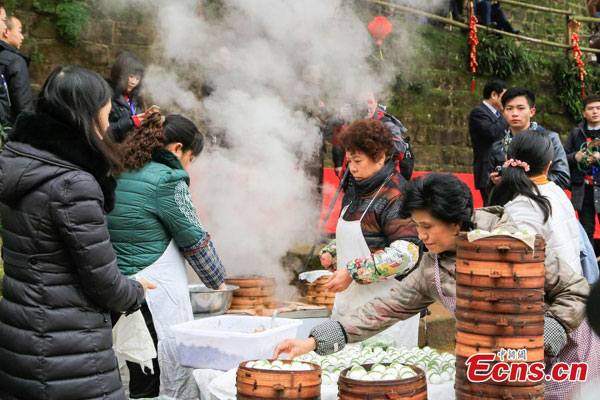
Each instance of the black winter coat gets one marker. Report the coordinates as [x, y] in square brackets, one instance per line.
[120, 115]
[61, 278]
[484, 128]
[14, 66]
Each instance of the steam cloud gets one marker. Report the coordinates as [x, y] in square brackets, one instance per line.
[265, 59]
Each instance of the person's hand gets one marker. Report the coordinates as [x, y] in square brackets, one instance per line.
[338, 172]
[222, 286]
[144, 116]
[295, 347]
[578, 156]
[495, 178]
[339, 281]
[146, 285]
[326, 260]
[590, 159]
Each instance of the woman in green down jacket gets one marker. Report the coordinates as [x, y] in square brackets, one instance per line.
[154, 227]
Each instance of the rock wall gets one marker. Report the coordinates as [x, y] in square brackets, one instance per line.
[104, 38]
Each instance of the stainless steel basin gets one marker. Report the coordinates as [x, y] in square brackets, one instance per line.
[209, 302]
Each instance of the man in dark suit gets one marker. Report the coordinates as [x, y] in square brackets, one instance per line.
[486, 125]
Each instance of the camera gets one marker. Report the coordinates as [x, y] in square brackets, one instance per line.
[498, 170]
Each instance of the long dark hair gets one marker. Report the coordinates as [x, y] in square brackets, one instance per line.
[444, 195]
[140, 144]
[126, 64]
[179, 129]
[534, 148]
[74, 95]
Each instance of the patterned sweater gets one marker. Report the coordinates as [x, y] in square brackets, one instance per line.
[392, 240]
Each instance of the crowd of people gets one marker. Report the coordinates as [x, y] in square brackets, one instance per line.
[98, 225]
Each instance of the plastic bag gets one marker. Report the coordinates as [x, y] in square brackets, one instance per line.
[132, 340]
[382, 340]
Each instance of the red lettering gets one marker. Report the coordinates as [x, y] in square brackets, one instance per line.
[536, 372]
[478, 367]
[578, 372]
[518, 372]
[557, 372]
[500, 372]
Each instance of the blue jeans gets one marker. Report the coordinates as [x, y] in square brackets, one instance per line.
[487, 13]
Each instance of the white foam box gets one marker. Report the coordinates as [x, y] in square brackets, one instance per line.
[224, 341]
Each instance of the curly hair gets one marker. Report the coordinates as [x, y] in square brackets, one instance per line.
[368, 136]
[137, 149]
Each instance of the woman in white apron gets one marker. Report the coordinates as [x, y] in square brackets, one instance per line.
[373, 245]
[441, 206]
[154, 228]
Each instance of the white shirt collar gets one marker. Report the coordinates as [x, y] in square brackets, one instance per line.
[492, 109]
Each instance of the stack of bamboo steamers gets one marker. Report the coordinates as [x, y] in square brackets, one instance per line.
[499, 305]
[316, 294]
[254, 292]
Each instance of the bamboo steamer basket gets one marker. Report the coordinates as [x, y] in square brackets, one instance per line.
[463, 350]
[251, 282]
[506, 342]
[499, 324]
[254, 292]
[316, 294]
[254, 383]
[412, 388]
[501, 282]
[251, 301]
[502, 306]
[506, 295]
[507, 301]
[470, 390]
[468, 344]
[265, 291]
[493, 269]
[500, 248]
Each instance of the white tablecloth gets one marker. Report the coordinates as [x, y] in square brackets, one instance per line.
[219, 385]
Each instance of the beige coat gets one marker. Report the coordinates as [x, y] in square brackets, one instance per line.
[565, 291]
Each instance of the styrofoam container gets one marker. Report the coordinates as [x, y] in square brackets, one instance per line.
[224, 341]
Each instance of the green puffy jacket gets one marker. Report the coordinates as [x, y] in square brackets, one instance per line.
[153, 206]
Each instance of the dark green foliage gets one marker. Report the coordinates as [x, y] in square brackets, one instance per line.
[569, 87]
[503, 58]
[71, 18]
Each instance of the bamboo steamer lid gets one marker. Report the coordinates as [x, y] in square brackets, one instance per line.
[254, 383]
[500, 248]
[251, 282]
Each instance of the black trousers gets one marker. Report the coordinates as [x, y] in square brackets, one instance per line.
[143, 384]
[587, 214]
[484, 196]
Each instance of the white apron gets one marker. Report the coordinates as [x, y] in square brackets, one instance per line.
[351, 245]
[170, 304]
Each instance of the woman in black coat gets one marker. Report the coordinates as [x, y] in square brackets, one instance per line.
[61, 279]
[128, 106]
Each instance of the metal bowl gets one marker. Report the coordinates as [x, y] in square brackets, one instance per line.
[211, 302]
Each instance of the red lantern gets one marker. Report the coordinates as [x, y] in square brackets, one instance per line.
[380, 27]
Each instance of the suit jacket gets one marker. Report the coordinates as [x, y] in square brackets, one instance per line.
[484, 128]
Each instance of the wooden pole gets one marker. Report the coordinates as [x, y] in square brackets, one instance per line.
[481, 27]
[535, 7]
